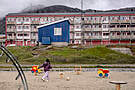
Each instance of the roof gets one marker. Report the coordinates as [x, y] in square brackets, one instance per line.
[66, 19]
[87, 13]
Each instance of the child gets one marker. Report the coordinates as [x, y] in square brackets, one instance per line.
[47, 67]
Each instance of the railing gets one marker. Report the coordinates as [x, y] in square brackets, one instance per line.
[95, 37]
[132, 36]
[122, 29]
[115, 37]
[92, 29]
[124, 21]
[71, 29]
[120, 21]
[132, 21]
[113, 21]
[26, 30]
[35, 22]
[34, 37]
[11, 22]
[11, 30]
[34, 30]
[10, 37]
[23, 37]
[125, 37]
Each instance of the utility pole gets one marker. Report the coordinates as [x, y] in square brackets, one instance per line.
[82, 24]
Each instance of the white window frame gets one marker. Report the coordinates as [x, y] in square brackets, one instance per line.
[57, 31]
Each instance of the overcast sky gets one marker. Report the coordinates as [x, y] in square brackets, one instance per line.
[13, 6]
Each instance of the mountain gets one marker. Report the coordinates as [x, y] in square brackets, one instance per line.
[2, 26]
[53, 9]
[33, 8]
[66, 9]
[130, 9]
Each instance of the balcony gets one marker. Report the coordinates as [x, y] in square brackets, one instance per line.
[114, 29]
[105, 29]
[11, 22]
[131, 29]
[26, 30]
[124, 21]
[27, 22]
[94, 37]
[132, 36]
[34, 37]
[92, 29]
[35, 22]
[114, 21]
[115, 37]
[106, 21]
[125, 37]
[71, 21]
[23, 37]
[71, 29]
[132, 21]
[122, 29]
[11, 30]
[34, 30]
[10, 37]
[71, 37]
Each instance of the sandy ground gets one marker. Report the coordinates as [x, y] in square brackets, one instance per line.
[84, 81]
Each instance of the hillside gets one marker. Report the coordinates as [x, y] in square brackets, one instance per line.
[68, 55]
[52, 9]
[2, 26]
[66, 9]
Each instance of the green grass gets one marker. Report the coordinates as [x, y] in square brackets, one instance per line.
[67, 55]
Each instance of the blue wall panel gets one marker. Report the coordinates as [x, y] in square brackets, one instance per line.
[48, 31]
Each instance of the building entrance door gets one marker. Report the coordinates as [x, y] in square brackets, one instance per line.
[46, 40]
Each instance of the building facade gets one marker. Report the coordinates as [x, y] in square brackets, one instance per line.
[56, 33]
[96, 28]
[2, 39]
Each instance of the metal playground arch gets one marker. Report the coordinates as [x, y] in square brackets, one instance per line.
[16, 64]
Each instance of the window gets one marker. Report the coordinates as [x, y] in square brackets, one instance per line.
[112, 26]
[105, 26]
[19, 27]
[27, 27]
[19, 19]
[26, 34]
[57, 31]
[34, 34]
[20, 34]
[118, 33]
[9, 34]
[27, 19]
[78, 26]
[105, 34]
[123, 33]
[128, 33]
[78, 34]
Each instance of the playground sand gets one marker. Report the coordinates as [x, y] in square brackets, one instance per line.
[84, 81]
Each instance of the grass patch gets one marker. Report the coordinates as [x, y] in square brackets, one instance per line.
[67, 55]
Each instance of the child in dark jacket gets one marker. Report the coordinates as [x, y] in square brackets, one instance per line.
[47, 67]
